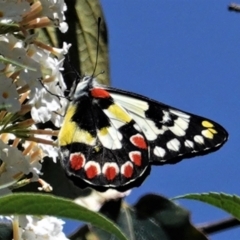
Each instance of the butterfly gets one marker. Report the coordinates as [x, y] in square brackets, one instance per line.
[110, 138]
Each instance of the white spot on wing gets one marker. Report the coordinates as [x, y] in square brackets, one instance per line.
[111, 139]
[189, 144]
[177, 130]
[159, 151]
[147, 126]
[179, 113]
[180, 125]
[117, 123]
[131, 104]
[144, 126]
[137, 127]
[174, 145]
[149, 129]
[166, 117]
[199, 139]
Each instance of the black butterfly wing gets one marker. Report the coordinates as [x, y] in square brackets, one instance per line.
[171, 134]
[101, 149]
[109, 137]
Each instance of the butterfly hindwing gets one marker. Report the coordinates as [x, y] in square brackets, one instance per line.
[109, 137]
[103, 151]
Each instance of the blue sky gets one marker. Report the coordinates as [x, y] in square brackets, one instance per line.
[185, 54]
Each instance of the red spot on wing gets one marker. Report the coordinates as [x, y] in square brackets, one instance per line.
[139, 141]
[127, 170]
[110, 173]
[91, 171]
[136, 157]
[77, 161]
[99, 93]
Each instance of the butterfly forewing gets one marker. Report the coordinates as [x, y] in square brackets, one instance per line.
[171, 134]
[110, 137]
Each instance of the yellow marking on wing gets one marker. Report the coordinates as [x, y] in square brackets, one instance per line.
[70, 132]
[83, 137]
[103, 131]
[97, 149]
[207, 124]
[213, 130]
[209, 133]
[119, 113]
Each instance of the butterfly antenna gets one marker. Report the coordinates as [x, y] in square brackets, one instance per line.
[71, 66]
[53, 94]
[98, 37]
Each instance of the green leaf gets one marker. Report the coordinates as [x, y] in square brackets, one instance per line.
[82, 19]
[39, 204]
[88, 12]
[15, 63]
[8, 28]
[227, 202]
[152, 217]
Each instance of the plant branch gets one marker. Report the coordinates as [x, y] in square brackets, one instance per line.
[234, 7]
[221, 225]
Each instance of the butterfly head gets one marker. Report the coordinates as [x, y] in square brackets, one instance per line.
[82, 87]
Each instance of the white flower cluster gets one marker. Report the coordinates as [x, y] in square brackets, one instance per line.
[31, 81]
[41, 228]
[30, 94]
[28, 14]
[95, 200]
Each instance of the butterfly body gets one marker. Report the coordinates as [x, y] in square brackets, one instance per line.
[109, 137]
